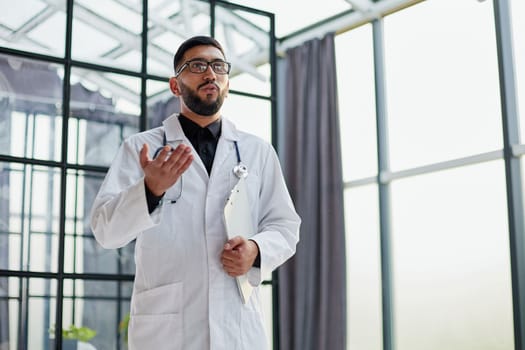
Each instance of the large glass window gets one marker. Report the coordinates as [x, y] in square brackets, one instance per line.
[104, 110]
[355, 71]
[364, 321]
[451, 260]
[101, 306]
[250, 114]
[82, 253]
[443, 196]
[31, 303]
[355, 85]
[30, 113]
[30, 217]
[442, 82]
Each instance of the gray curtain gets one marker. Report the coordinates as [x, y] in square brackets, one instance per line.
[312, 285]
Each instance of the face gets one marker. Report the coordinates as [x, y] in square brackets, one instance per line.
[203, 93]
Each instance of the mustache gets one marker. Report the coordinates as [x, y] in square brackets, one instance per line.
[209, 83]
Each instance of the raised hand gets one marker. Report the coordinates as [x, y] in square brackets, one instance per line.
[163, 171]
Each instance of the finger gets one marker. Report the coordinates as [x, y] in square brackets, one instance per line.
[160, 159]
[144, 157]
[177, 157]
[227, 263]
[182, 163]
[182, 166]
[232, 270]
[233, 243]
[186, 164]
[230, 255]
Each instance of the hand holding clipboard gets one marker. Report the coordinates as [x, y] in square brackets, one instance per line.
[238, 220]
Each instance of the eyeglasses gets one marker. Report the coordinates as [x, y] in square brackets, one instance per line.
[198, 66]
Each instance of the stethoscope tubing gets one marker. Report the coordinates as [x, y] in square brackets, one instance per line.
[240, 170]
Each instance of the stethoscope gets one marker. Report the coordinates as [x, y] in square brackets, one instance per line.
[240, 170]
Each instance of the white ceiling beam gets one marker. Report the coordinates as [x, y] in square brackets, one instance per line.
[23, 43]
[36, 20]
[258, 36]
[341, 24]
[363, 6]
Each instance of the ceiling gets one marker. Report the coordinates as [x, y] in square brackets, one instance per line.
[107, 32]
[303, 13]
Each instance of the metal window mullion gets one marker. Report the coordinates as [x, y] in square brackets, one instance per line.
[212, 18]
[25, 296]
[23, 282]
[144, 69]
[49, 229]
[63, 173]
[511, 138]
[276, 335]
[383, 187]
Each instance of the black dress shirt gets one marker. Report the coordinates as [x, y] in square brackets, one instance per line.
[204, 140]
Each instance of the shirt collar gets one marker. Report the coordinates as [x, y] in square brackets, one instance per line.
[190, 127]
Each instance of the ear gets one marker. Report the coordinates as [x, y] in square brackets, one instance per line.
[174, 86]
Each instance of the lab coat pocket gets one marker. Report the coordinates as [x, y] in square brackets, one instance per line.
[165, 299]
[155, 332]
[156, 321]
[252, 326]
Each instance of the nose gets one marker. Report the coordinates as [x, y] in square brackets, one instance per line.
[209, 72]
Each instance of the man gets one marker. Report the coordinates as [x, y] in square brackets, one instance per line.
[171, 202]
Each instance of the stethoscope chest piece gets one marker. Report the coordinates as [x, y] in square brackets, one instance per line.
[240, 170]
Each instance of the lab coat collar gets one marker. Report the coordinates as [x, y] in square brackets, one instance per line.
[174, 131]
[229, 131]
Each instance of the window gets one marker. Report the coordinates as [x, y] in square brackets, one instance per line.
[438, 205]
[355, 71]
[442, 82]
[451, 266]
[61, 124]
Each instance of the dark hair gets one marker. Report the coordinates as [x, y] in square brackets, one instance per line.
[192, 42]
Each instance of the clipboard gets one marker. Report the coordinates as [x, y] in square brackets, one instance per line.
[238, 221]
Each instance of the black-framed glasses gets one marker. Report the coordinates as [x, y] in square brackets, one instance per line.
[199, 66]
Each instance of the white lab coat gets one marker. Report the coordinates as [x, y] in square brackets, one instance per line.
[182, 298]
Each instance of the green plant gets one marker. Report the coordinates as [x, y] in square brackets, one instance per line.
[123, 327]
[79, 333]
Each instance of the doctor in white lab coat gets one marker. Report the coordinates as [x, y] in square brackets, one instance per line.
[185, 296]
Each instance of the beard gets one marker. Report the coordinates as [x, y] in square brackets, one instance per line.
[198, 105]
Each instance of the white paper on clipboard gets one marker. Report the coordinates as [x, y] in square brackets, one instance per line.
[238, 220]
